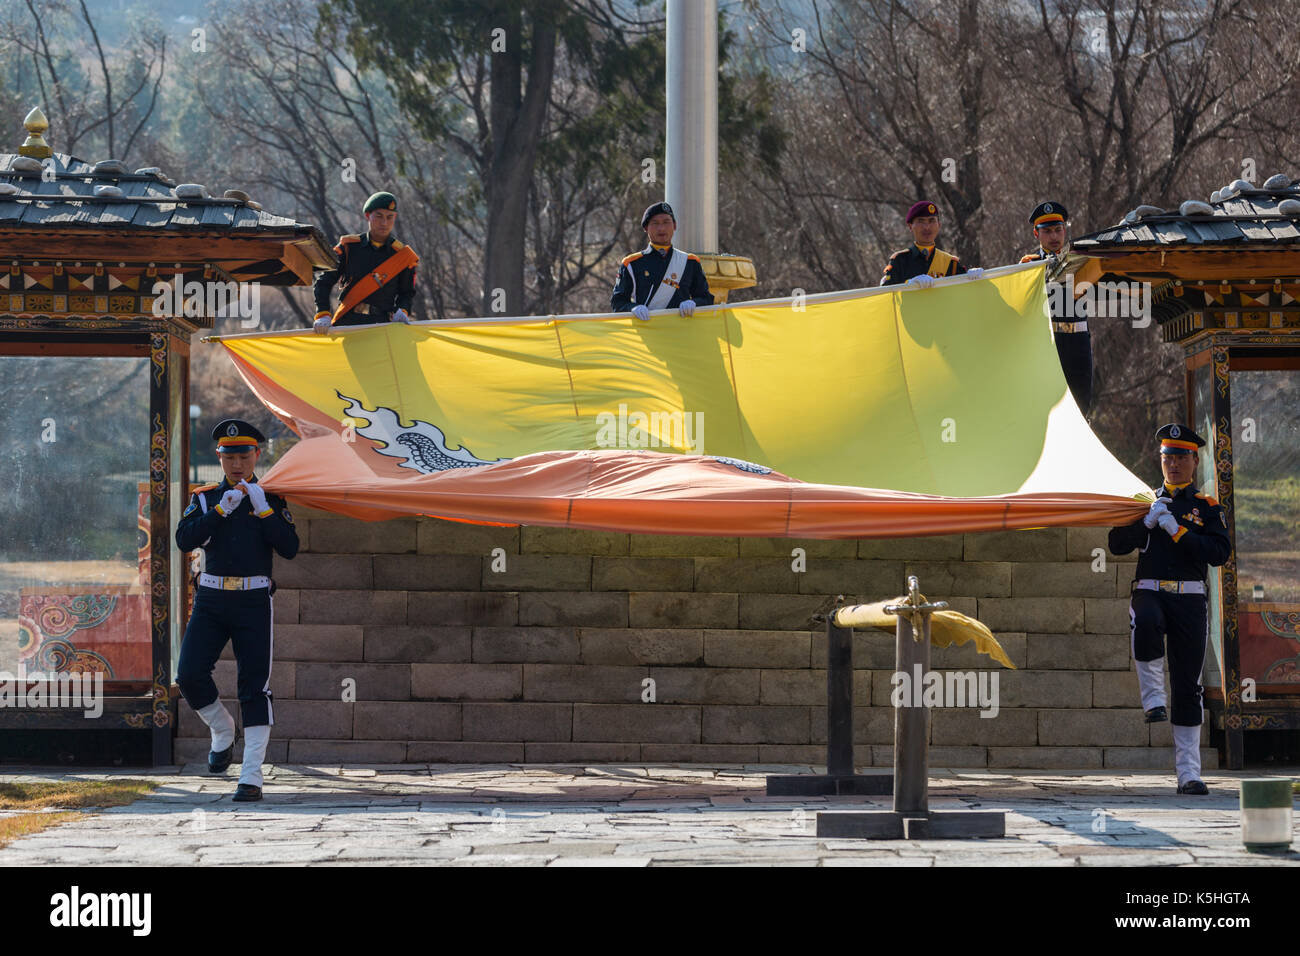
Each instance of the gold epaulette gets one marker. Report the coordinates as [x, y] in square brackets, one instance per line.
[1214, 502]
[398, 244]
[345, 241]
[691, 255]
[203, 488]
[632, 258]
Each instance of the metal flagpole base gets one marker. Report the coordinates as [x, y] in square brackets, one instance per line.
[911, 817]
[877, 784]
[839, 778]
[893, 825]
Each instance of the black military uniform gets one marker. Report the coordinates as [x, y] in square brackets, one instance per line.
[916, 260]
[642, 274]
[358, 257]
[1070, 332]
[233, 603]
[1178, 542]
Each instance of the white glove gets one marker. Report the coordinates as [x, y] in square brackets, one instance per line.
[641, 312]
[1158, 507]
[401, 315]
[974, 272]
[256, 496]
[321, 325]
[687, 308]
[229, 501]
[1169, 524]
[921, 282]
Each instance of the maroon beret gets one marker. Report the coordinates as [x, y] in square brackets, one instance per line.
[922, 208]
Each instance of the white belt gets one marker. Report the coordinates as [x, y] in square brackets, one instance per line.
[1070, 326]
[234, 584]
[1174, 587]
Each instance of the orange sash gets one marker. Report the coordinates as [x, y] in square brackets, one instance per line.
[373, 281]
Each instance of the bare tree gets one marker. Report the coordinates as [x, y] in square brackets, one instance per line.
[888, 103]
[107, 108]
[1137, 91]
[294, 117]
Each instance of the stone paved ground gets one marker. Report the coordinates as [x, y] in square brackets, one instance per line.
[630, 816]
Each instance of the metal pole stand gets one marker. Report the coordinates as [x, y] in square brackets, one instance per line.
[839, 778]
[911, 818]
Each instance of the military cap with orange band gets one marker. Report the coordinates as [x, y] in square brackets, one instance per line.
[1048, 212]
[234, 436]
[1178, 440]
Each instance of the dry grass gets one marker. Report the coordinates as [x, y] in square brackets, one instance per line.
[69, 794]
[64, 795]
[25, 824]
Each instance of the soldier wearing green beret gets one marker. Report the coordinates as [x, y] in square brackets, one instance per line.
[377, 269]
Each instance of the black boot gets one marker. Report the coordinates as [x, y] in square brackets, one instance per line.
[219, 760]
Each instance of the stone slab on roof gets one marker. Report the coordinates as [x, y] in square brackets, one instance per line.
[1238, 214]
[148, 201]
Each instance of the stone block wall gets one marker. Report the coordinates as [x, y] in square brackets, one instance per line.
[463, 643]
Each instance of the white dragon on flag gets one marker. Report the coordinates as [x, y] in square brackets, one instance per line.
[421, 446]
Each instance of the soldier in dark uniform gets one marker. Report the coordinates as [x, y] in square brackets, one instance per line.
[920, 263]
[1183, 534]
[659, 276]
[384, 263]
[237, 525]
[1073, 340]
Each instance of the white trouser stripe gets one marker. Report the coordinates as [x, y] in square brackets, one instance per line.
[270, 660]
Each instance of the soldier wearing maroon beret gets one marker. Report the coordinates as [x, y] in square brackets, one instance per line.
[922, 262]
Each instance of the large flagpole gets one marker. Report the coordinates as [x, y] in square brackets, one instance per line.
[691, 142]
[692, 123]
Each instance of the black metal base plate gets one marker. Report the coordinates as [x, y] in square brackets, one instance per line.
[891, 825]
[876, 784]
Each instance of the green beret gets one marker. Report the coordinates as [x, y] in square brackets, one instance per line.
[380, 201]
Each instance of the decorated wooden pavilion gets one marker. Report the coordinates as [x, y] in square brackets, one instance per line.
[105, 274]
[1224, 283]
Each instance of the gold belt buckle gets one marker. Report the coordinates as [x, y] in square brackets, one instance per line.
[232, 584]
[1169, 586]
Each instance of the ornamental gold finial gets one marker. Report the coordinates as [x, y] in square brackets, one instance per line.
[35, 146]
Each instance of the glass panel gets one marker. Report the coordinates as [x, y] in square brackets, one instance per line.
[74, 440]
[1266, 486]
[1208, 481]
